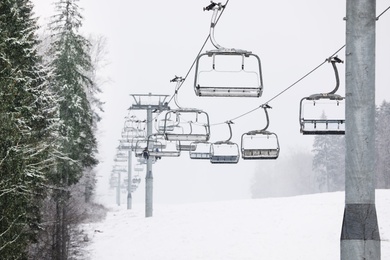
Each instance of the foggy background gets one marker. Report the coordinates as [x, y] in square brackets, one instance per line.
[148, 43]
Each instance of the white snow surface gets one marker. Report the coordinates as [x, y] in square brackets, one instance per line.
[303, 227]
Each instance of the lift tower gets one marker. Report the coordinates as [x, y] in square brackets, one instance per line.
[360, 233]
[151, 103]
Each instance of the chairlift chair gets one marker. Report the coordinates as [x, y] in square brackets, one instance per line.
[133, 128]
[227, 72]
[324, 113]
[201, 151]
[136, 180]
[121, 154]
[139, 147]
[191, 124]
[118, 159]
[133, 188]
[138, 167]
[143, 161]
[113, 181]
[185, 146]
[225, 152]
[260, 144]
[158, 149]
[125, 145]
[165, 124]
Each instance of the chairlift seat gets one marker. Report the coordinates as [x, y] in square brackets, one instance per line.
[164, 153]
[202, 155]
[323, 126]
[185, 147]
[138, 168]
[222, 159]
[228, 73]
[187, 137]
[260, 154]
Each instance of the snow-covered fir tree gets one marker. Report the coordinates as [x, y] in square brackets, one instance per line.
[329, 162]
[71, 70]
[28, 130]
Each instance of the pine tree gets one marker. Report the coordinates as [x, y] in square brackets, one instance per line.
[71, 67]
[329, 161]
[27, 129]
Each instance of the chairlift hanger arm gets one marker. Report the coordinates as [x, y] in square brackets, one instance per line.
[179, 81]
[265, 107]
[330, 95]
[216, 8]
[230, 132]
[335, 60]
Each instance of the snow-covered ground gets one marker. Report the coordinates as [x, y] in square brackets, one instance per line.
[304, 227]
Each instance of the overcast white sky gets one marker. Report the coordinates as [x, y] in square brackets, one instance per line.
[150, 42]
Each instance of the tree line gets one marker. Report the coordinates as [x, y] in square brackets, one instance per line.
[322, 169]
[49, 111]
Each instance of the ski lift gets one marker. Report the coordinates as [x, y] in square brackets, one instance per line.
[136, 180]
[225, 152]
[185, 146]
[118, 159]
[157, 149]
[165, 124]
[133, 128]
[260, 144]
[191, 124]
[140, 147]
[324, 113]
[201, 151]
[143, 161]
[227, 72]
[120, 154]
[138, 167]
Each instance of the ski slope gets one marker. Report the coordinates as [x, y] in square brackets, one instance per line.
[296, 228]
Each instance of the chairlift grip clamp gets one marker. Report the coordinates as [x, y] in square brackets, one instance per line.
[334, 59]
[213, 5]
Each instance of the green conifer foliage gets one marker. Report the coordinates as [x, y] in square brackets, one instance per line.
[27, 129]
[71, 65]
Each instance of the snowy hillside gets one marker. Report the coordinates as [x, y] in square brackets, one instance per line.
[302, 228]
